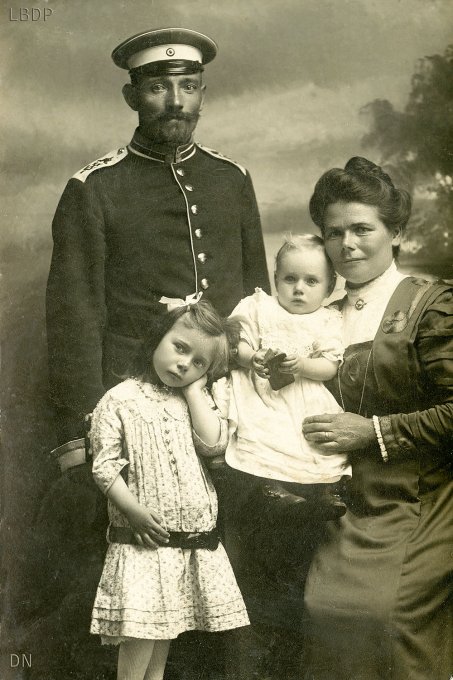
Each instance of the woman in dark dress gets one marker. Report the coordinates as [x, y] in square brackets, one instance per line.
[379, 595]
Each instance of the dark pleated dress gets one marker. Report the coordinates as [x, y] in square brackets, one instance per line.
[379, 595]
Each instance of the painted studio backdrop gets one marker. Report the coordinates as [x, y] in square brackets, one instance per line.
[298, 86]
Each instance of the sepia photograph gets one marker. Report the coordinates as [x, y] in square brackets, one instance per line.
[226, 295]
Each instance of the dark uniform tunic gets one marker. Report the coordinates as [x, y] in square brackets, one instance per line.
[380, 590]
[129, 228]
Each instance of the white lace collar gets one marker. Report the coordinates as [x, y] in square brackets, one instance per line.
[365, 306]
[378, 288]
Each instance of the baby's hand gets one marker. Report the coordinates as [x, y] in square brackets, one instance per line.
[147, 527]
[258, 364]
[293, 365]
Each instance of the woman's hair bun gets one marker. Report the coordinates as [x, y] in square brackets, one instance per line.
[362, 166]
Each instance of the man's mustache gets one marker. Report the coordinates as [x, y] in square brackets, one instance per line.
[190, 117]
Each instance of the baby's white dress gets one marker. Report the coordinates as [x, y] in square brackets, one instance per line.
[266, 437]
[145, 431]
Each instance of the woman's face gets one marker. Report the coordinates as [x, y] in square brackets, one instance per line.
[357, 241]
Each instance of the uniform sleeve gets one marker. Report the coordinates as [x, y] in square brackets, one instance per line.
[246, 313]
[107, 443]
[329, 344]
[254, 266]
[431, 427]
[75, 308]
[219, 448]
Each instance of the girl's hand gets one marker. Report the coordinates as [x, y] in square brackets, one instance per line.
[292, 364]
[196, 386]
[258, 364]
[147, 526]
[339, 432]
[205, 421]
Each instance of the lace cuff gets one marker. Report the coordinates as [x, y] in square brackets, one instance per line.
[396, 447]
[217, 449]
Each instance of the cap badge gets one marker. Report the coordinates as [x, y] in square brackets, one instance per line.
[170, 52]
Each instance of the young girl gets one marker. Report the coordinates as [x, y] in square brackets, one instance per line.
[266, 423]
[165, 571]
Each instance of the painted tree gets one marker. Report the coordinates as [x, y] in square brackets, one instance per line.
[418, 144]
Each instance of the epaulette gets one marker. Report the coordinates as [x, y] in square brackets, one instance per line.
[104, 162]
[221, 157]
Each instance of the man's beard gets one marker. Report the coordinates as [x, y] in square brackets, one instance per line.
[173, 128]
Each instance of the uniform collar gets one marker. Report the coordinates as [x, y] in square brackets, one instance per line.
[141, 146]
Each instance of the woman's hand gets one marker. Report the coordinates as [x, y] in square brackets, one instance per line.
[258, 364]
[339, 432]
[147, 526]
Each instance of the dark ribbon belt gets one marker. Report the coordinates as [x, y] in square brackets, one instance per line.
[178, 539]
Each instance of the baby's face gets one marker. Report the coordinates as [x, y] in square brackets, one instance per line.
[302, 280]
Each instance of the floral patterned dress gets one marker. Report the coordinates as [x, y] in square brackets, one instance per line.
[144, 432]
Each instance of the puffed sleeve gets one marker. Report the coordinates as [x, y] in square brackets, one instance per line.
[432, 427]
[329, 344]
[75, 307]
[246, 313]
[219, 447]
[107, 442]
[254, 266]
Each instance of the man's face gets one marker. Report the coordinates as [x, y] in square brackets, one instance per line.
[168, 107]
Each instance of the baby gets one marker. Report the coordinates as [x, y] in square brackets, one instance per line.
[268, 403]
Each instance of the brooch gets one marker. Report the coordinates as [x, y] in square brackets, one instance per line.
[360, 304]
[395, 323]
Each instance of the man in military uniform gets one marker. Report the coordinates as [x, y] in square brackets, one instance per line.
[162, 216]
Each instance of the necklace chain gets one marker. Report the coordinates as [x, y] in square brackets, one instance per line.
[363, 386]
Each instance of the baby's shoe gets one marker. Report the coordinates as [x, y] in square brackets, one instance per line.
[279, 500]
[329, 503]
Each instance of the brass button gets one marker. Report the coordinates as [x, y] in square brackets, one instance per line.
[204, 283]
[198, 233]
[180, 172]
[189, 187]
[194, 209]
[202, 257]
